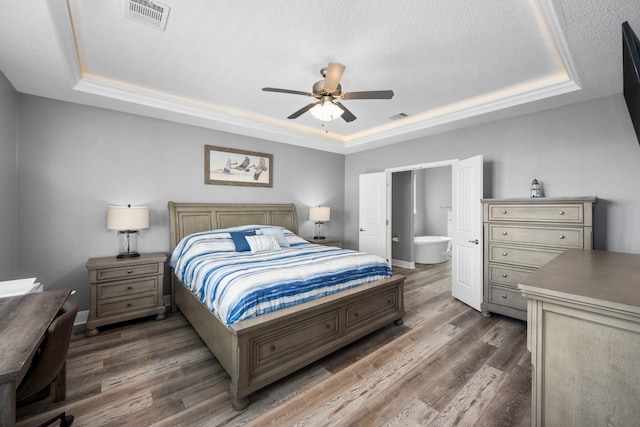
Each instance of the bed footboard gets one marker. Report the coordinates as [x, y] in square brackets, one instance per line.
[259, 351]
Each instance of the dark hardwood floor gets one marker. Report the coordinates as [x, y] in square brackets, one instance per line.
[446, 366]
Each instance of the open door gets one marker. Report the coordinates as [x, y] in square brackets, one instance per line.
[466, 258]
[373, 214]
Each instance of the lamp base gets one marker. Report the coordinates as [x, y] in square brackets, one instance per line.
[128, 247]
[128, 255]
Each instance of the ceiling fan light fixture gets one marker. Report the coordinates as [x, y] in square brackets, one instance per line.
[326, 110]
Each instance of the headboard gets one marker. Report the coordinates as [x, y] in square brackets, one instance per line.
[188, 218]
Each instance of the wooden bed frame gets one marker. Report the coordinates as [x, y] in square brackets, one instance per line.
[256, 352]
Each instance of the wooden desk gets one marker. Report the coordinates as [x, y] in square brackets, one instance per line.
[24, 320]
[583, 332]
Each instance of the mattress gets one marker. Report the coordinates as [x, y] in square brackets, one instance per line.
[243, 272]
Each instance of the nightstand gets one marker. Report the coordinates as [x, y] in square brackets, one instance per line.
[124, 289]
[329, 241]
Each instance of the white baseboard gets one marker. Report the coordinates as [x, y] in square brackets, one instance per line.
[403, 264]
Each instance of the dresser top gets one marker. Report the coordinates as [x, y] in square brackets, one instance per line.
[609, 280]
[581, 199]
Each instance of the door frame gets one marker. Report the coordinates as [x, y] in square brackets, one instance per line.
[389, 172]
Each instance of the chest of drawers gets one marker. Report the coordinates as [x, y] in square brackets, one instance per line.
[125, 289]
[520, 236]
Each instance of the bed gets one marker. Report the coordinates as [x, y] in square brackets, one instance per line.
[261, 350]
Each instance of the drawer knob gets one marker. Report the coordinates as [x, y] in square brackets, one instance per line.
[504, 211]
[272, 348]
[561, 236]
[129, 304]
[129, 271]
[504, 296]
[129, 287]
[355, 314]
[328, 326]
[504, 254]
[561, 213]
[504, 274]
[504, 233]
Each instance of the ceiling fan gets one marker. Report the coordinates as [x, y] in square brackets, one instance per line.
[326, 91]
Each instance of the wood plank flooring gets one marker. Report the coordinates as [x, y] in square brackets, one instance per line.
[446, 366]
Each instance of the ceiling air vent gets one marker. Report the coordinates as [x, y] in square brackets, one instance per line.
[398, 116]
[148, 12]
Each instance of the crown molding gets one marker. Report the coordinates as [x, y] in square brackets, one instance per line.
[123, 97]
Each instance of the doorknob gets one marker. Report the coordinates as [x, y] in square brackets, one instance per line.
[362, 229]
[474, 241]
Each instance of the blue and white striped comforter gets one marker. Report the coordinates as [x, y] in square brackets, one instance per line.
[241, 285]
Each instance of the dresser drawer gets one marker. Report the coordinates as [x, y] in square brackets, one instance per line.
[507, 296]
[105, 274]
[126, 288]
[521, 256]
[567, 213]
[507, 275]
[546, 236]
[121, 305]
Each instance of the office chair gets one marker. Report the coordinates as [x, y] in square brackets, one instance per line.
[48, 365]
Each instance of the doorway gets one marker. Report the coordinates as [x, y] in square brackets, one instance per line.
[420, 206]
[466, 219]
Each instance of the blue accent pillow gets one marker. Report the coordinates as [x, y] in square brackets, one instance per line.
[239, 240]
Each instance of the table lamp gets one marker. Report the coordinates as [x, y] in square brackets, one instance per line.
[127, 220]
[320, 215]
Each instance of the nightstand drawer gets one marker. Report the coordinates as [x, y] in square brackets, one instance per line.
[573, 213]
[105, 274]
[507, 296]
[120, 305]
[117, 289]
[546, 236]
[522, 256]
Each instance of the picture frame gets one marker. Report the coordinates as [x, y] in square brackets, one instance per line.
[230, 166]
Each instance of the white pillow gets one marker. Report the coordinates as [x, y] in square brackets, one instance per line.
[262, 243]
[278, 233]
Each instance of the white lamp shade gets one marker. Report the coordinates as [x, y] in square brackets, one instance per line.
[319, 213]
[127, 218]
[326, 111]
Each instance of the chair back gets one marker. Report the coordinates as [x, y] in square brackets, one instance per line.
[52, 354]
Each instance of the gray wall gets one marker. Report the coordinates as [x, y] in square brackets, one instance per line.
[74, 161]
[585, 149]
[434, 188]
[8, 178]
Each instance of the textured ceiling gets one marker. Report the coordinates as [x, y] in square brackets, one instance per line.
[449, 64]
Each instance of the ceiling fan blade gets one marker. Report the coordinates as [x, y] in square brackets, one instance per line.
[371, 94]
[294, 92]
[302, 111]
[334, 74]
[347, 116]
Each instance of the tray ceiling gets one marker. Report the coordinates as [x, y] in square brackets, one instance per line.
[450, 64]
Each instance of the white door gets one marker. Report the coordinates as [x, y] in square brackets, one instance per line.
[373, 214]
[466, 258]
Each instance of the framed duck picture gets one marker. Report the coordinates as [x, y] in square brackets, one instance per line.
[229, 166]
